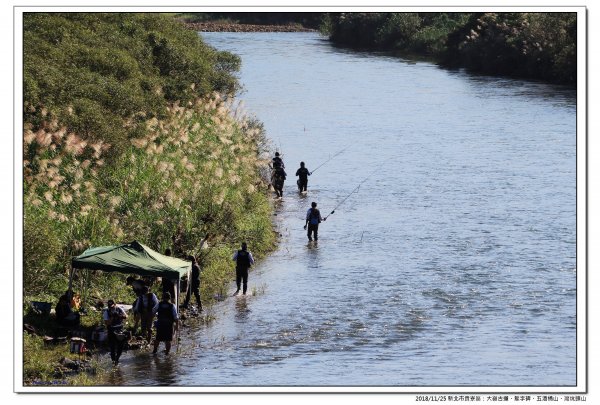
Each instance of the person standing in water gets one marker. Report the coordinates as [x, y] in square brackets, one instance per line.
[313, 219]
[167, 321]
[302, 174]
[244, 261]
[278, 162]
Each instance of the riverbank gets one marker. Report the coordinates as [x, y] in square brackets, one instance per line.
[235, 27]
[120, 147]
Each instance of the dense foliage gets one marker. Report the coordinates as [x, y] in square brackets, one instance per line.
[533, 45]
[104, 74]
[131, 133]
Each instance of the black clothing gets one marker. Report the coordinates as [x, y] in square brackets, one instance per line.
[303, 173]
[168, 286]
[65, 315]
[302, 185]
[165, 321]
[278, 162]
[194, 287]
[115, 328]
[313, 228]
[277, 180]
[241, 275]
[243, 260]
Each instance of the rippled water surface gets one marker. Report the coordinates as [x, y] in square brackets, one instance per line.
[453, 263]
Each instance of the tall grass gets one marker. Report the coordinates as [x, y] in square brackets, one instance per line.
[194, 175]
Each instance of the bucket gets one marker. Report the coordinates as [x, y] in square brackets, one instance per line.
[78, 345]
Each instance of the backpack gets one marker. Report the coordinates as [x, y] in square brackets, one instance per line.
[314, 217]
[243, 259]
[148, 306]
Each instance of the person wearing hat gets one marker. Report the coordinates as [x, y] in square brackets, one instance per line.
[113, 317]
[144, 307]
[244, 260]
[166, 318]
[313, 219]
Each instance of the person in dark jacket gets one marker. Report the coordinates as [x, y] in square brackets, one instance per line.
[313, 219]
[277, 179]
[65, 316]
[166, 322]
[244, 261]
[113, 318]
[302, 174]
[194, 287]
[278, 162]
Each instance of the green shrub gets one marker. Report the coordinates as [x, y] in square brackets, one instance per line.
[534, 45]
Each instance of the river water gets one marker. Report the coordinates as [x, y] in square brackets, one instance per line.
[453, 264]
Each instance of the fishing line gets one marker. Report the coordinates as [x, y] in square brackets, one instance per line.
[332, 157]
[357, 188]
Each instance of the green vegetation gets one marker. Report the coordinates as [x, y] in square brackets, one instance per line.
[307, 20]
[99, 71]
[532, 45]
[131, 132]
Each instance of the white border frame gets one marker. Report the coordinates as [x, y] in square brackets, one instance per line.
[582, 242]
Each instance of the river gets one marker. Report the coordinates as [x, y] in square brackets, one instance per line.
[453, 264]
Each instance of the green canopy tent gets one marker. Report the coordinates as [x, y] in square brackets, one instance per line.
[132, 258]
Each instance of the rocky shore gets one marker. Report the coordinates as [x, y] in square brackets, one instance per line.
[233, 27]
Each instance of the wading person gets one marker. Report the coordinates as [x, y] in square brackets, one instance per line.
[194, 287]
[313, 219]
[278, 162]
[302, 174]
[277, 180]
[144, 307]
[113, 317]
[166, 322]
[244, 260]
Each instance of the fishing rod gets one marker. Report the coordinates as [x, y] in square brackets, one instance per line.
[355, 189]
[332, 157]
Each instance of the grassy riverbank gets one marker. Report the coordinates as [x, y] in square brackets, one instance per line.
[131, 132]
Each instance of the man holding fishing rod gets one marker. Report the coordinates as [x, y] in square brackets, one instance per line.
[313, 215]
[313, 219]
[302, 174]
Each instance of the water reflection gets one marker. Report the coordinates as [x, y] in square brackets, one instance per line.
[241, 309]
[313, 255]
[163, 369]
